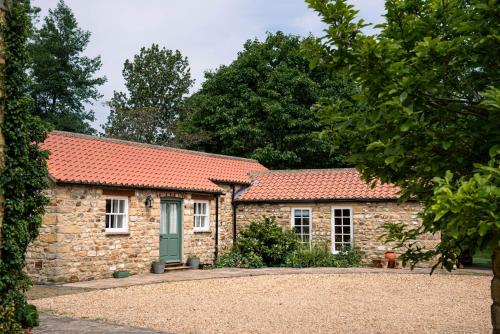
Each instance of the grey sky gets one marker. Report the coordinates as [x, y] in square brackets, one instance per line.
[208, 32]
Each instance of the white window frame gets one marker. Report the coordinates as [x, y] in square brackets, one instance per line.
[292, 222]
[351, 230]
[123, 229]
[206, 228]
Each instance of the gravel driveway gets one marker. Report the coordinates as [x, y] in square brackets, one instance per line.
[348, 303]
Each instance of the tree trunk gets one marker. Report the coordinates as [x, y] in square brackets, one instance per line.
[495, 291]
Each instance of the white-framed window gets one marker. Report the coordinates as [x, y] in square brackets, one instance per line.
[302, 223]
[342, 233]
[201, 216]
[116, 214]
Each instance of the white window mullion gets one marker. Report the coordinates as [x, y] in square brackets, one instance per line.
[201, 213]
[302, 224]
[342, 228]
[117, 216]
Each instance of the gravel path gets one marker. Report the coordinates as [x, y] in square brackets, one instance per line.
[348, 303]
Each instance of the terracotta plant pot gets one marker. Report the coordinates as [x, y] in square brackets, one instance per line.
[390, 258]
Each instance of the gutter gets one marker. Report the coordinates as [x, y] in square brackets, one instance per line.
[138, 187]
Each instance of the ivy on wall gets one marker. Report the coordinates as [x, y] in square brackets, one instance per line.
[24, 177]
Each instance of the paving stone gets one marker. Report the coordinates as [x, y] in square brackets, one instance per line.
[62, 325]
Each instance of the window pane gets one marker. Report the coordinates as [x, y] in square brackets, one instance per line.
[346, 212]
[108, 206]
[107, 221]
[305, 238]
[347, 238]
[305, 229]
[202, 221]
[163, 218]
[338, 212]
[338, 230]
[305, 213]
[112, 223]
[338, 221]
[119, 221]
[338, 238]
[204, 208]
[172, 218]
[298, 222]
[296, 229]
[347, 221]
[121, 206]
[347, 230]
[297, 213]
[305, 221]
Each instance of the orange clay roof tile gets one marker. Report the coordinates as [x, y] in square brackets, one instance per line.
[85, 159]
[313, 184]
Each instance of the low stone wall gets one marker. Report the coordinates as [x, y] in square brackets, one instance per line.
[368, 218]
[73, 245]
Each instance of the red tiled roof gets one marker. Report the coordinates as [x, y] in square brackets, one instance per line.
[85, 159]
[313, 184]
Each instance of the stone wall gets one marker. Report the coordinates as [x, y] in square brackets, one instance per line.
[367, 221]
[73, 245]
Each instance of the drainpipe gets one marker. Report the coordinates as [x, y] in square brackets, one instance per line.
[216, 252]
[234, 213]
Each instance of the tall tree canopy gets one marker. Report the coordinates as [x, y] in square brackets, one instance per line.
[260, 107]
[63, 80]
[429, 112]
[157, 81]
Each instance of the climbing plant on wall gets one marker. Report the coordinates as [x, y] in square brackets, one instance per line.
[24, 176]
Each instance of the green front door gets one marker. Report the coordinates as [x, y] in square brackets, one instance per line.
[170, 230]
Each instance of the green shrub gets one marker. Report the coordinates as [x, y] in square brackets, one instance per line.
[8, 321]
[235, 259]
[266, 239]
[321, 256]
[348, 257]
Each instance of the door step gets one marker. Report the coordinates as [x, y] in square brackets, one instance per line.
[176, 267]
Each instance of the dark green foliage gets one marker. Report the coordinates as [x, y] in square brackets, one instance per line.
[25, 174]
[63, 80]
[260, 107]
[235, 259]
[427, 115]
[264, 243]
[157, 81]
[266, 239]
[321, 256]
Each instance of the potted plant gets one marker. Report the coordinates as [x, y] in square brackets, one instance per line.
[193, 261]
[390, 258]
[159, 266]
[121, 274]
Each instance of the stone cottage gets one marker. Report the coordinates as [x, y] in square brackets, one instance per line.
[332, 206]
[122, 205]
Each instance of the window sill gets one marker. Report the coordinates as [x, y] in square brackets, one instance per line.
[202, 231]
[111, 233]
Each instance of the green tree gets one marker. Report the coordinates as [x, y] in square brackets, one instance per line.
[259, 106]
[63, 80]
[429, 117]
[157, 81]
[24, 176]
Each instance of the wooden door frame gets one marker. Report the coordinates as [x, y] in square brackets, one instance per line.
[180, 223]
